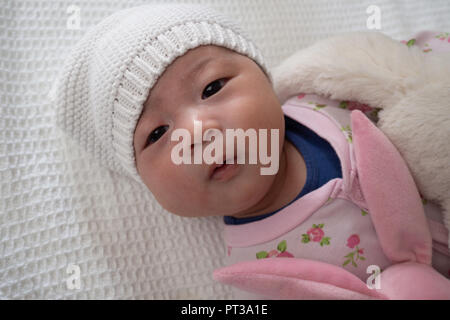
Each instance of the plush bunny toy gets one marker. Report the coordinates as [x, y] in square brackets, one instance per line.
[411, 87]
[409, 84]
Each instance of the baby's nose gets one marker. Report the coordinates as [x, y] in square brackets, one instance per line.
[202, 134]
[203, 131]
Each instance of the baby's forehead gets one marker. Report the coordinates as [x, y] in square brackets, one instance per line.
[185, 68]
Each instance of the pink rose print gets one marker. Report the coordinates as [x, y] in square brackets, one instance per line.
[279, 253]
[356, 255]
[353, 241]
[443, 36]
[316, 234]
[370, 112]
[285, 254]
[354, 105]
[301, 96]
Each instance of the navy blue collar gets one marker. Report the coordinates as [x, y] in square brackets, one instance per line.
[322, 163]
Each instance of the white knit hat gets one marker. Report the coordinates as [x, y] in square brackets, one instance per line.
[106, 79]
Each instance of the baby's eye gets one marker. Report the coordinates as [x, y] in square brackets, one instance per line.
[156, 134]
[213, 88]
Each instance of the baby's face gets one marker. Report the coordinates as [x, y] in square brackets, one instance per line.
[230, 91]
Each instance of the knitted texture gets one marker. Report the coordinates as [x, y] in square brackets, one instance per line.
[60, 207]
[107, 78]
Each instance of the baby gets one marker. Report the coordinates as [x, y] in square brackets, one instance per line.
[223, 89]
[144, 72]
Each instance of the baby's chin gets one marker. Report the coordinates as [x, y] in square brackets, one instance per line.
[235, 208]
[243, 199]
[241, 194]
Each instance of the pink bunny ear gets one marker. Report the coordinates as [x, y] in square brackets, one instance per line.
[413, 281]
[391, 194]
[292, 278]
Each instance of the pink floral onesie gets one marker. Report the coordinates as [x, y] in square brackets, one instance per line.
[331, 224]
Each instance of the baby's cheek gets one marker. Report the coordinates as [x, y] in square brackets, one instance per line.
[172, 189]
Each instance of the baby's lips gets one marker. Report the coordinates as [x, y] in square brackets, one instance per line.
[214, 165]
[212, 168]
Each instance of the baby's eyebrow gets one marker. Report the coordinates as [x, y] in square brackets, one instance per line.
[197, 67]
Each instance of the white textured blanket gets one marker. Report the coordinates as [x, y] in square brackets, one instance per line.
[69, 229]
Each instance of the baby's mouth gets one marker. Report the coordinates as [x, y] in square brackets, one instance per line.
[220, 171]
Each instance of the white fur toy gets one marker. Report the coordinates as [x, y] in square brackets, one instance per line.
[412, 88]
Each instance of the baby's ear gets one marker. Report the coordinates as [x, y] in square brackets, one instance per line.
[396, 209]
